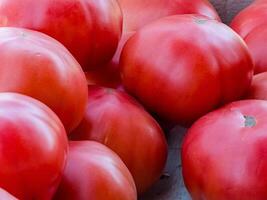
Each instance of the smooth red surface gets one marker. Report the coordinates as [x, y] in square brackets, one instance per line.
[6, 196]
[90, 29]
[182, 75]
[138, 13]
[250, 18]
[33, 148]
[251, 25]
[38, 66]
[223, 158]
[116, 120]
[258, 89]
[256, 43]
[95, 172]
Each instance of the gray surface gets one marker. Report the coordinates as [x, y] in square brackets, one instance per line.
[172, 187]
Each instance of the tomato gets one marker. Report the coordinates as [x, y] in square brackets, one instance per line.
[181, 75]
[33, 147]
[6, 196]
[116, 120]
[224, 154]
[251, 25]
[138, 13]
[90, 29]
[95, 172]
[258, 89]
[251, 17]
[38, 66]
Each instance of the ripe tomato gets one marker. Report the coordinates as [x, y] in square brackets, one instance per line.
[116, 120]
[250, 18]
[138, 13]
[6, 196]
[90, 29]
[33, 147]
[181, 75]
[251, 25]
[224, 154]
[95, 172]
[38, 66]
[258, 89]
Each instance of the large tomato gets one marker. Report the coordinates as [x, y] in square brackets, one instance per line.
[90, 29]
[33, 147]
[252, 26]
[224, 154]
[116, 120]
[258, 89]
[36, 65]
[6, 196]
[251, 17]
[138, 13]
[182, 75]
[94, 172]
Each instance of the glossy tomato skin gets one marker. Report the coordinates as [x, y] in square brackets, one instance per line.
[33, 148]
[90, 29]
[95, 172]
[38, 66]
[256, 44]
[258, 89]
[138, 13]
[6, 196]
[181, 75]
[251, 25]
[116, 120]
[224, 153]
[250, 18]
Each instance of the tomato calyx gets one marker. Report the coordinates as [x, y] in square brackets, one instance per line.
[250, 121]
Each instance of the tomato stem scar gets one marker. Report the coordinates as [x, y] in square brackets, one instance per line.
[249, 121]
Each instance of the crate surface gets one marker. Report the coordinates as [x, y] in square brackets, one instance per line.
[171, 186]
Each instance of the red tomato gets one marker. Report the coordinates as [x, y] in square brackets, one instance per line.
[38, 66]
[90, 29]
[250, 18]
[6, 196]
[224, 154]
[258, 89]
[116, 120]
[182, 75]
[138, 13]
[251, 25]
[94, 172]
[33, 147]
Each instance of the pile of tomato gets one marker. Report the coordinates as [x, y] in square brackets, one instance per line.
[86, 85]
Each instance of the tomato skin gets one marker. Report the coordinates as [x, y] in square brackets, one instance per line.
[224, 153]
[116, 120]
[95, 172]
[250, 18]
[6, 196]
[258, 89]
[38, 66]
[33, 147]
[138, 13]
[90, 29]
[251, 25]
[201, 67]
